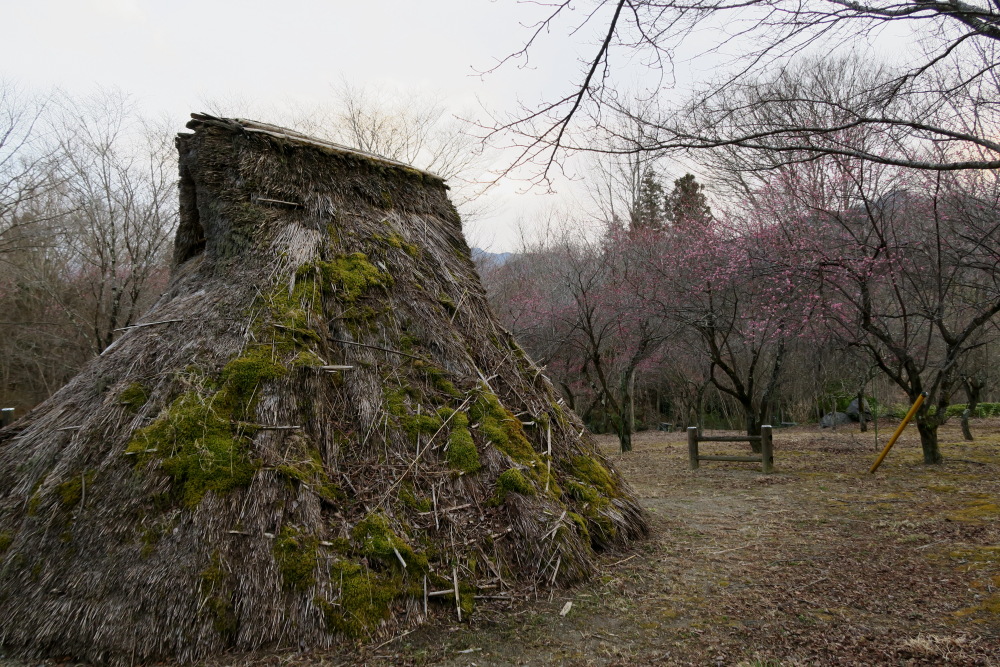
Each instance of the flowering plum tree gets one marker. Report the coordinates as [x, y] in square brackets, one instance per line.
[723, 282]
[902, 266]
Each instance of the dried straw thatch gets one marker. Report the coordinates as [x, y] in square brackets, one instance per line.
[319, 426]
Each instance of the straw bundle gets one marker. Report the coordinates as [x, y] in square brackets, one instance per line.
[317, 428]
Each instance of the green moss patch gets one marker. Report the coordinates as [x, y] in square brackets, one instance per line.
[307, 468]
[71, 492]
[296, 556]
[438, 379]
[588, 469]
[374, 539]
[513, 481]
[581, 525]
[502, 429]
[583, 493]
[134, 397]
[462, 453]
[198, 447]
[372, 579]
[364, 599]
[412, 424]
[242, 379]
[396, 240]
[409, 498]
[351, 276]
[6, 539]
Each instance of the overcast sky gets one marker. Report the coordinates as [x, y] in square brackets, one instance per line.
[174, 55]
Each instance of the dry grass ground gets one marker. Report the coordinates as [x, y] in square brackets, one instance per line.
[817, 564]
[820, 563]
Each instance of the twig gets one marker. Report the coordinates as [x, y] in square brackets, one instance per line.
[436, 594]
[400, 557]
[623, 560]
[978, 463]
[437, 525]
[293, 204]
[389, 641]
[449, 509]
[928, 546]
[376, 347]
[458, 597]
[147, 324]
[552, 532]
[459, 306]
[811, 583]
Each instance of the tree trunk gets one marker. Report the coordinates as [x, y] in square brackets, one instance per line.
[973, 389]
[631, 401]
[623, 420]
[861, 411]
[700, 415]
[966, 431]
[625, 438]
[929, 442]
[753, 426]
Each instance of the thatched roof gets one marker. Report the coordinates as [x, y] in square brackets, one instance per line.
[319, 426]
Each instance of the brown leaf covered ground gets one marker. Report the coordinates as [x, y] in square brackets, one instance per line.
[820, 563]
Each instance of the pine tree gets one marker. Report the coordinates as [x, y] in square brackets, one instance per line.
[649, 211]
[686, 206]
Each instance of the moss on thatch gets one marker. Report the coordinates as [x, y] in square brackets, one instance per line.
[296, 555]
[134, 397]
[513, 481]
[198, 446]
[462, 453]
[325, 419]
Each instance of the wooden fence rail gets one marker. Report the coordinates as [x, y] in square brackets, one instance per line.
[765, 458]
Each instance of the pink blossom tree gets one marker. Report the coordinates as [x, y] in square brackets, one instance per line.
[902, 266]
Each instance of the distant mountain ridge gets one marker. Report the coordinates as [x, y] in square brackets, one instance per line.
[480, 256]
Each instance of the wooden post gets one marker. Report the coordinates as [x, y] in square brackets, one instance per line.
[693, 446]
[766, 449]
[6, 416]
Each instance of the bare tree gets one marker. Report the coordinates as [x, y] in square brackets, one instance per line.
[572, 302]
[87, 252]
[119, 211]
[26, 173]
[944, 96]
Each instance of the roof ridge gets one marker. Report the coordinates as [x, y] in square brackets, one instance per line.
[248, 125]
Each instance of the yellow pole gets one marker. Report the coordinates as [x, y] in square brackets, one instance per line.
[892, 441]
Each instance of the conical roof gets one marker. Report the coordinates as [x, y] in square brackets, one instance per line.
[318, 426]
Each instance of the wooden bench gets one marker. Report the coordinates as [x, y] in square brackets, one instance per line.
[765, 458]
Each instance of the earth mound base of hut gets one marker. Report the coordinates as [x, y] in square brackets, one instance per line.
[319, 434]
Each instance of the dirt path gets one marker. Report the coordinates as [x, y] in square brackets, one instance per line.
[819, 563]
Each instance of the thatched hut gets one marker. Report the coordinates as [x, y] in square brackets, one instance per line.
[319, 433]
